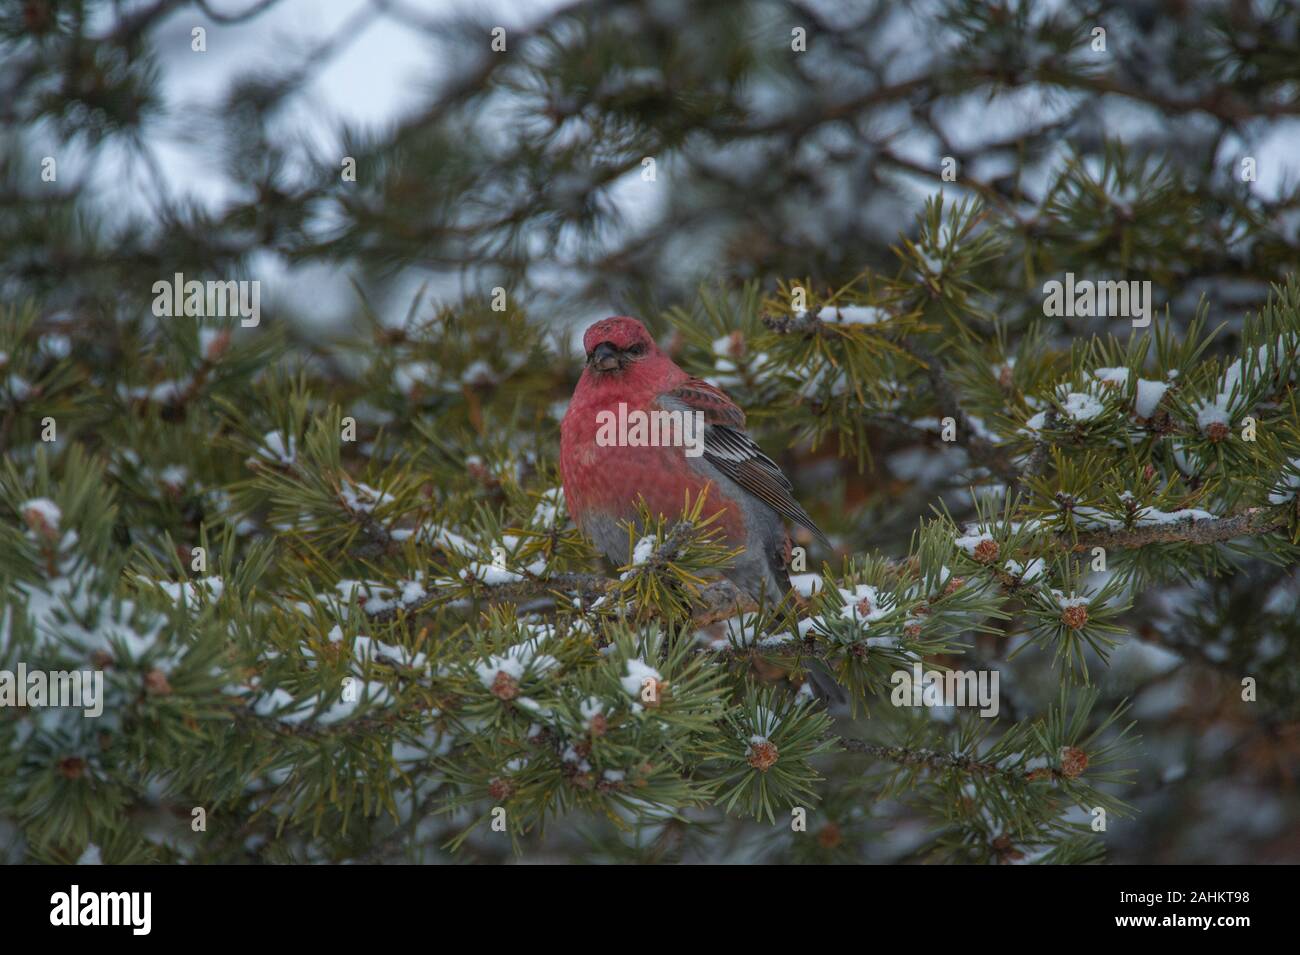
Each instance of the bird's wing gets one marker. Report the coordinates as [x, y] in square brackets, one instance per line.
[733, 452]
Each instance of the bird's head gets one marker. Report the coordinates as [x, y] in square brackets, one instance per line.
[614, 344]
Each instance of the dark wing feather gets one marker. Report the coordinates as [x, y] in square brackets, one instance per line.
[733, 452]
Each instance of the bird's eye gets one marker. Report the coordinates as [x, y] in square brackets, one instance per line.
[636, 350]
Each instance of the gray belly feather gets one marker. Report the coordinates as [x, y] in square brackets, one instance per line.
[759, 569]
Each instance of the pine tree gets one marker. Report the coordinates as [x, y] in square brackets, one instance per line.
[328, 579]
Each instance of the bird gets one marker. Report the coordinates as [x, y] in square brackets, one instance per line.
[603, 480]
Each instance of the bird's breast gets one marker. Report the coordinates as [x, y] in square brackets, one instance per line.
[606, 471]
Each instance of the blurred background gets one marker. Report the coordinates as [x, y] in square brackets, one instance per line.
[607, 157]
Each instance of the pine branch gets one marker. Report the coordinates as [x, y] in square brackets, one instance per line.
[1037, 463]
[981, 450]
[807, 322]
[256, 9]
[930, 759]
[719, 601]
[1252, 522]
[1222, 103]
[716, 601]
[584, 585]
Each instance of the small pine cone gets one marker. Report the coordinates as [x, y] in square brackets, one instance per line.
[1004, 378]
[736, 344]
[1073, 761]
[72, 767]
[762, 755]
[218, 346]
[1217, 432]
[155, 683]
[40, 526]
[1005, 850]
[332, 651]
[1075, 616]
[657, 697]
[829, 836]
[864, 607]
[986, 551]
[598, 725]
[504, 686]
[501, 789]
[954, 584]
[912, 629]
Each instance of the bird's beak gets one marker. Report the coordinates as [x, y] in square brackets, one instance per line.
[604, 357]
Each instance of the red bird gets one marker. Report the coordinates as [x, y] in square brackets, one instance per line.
[604, 479]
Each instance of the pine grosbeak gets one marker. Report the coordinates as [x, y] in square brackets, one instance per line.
[603, 480]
